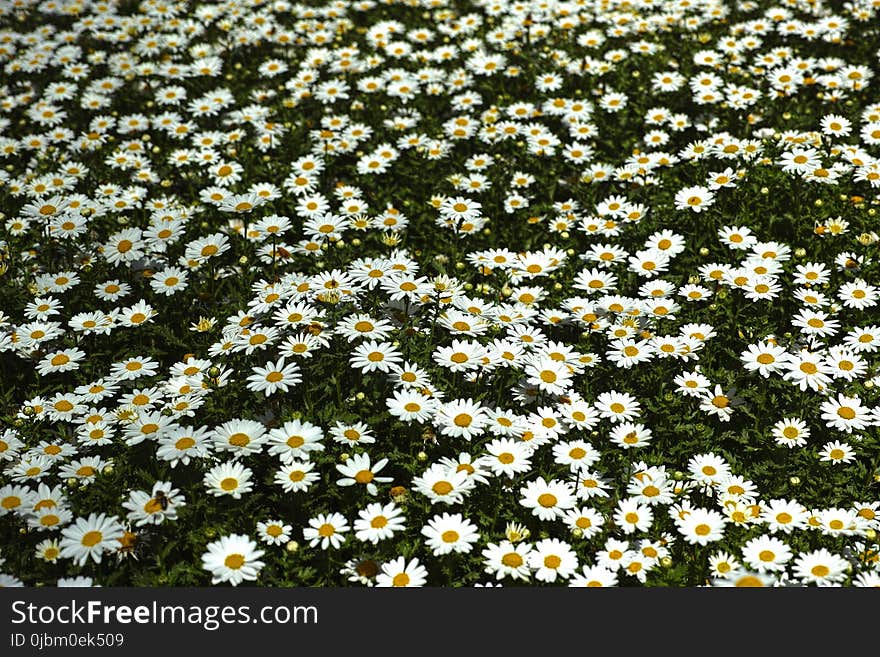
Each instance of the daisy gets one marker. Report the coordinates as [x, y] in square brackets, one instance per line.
[447, 533]
[60, 361]
[745, 579]
[784, 515]
[587, 522]
[90, 537]
[357, 470]
[411, 406]
[233, 558]
[617, 406]
[378, 522]
[708, 469]
[273, 377]
[692, 384]
[371, 355]
[578, 455]
[696, 198]
[719, 403]
[229, 478]
[846, 413]
[48, 550]
[441, 484]
[296, 476]
[461, 418]
[808, 370]
[506, 559]
[508, 457]
[836, 452]
[409, 375]
[136, 315]
[36, 467]
[845, 364]
[274, 532]
[820, 567]
[361, 325]
[631, 516]
[594, 577]
[352, 434]
[766, 554]
[838, 522]
[241, 437]
[15, 499]
[815, 322]
[550, 376]
[552, 559]
[864, 339]
[183, 443]
[155, 507]
[630, 436]
[737, 237]
[169, 281]
[858, 294]
[295, 439]
[548, 500]
[766, 358]
[400, 573]
[326, 530]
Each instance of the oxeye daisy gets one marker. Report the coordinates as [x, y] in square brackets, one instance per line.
[846, 413]
[378, 522]
[241, 437]
[233, 558]
[552, 559]
[295, 439]
[182, 444]
[352, 433]
[450, 532]
[327, 530]
[836, 452]
[400, 573]
[617, 406]
[506, 559]
[410, 405]
[630, 436]
[274, 377]
[441, 484]
[90, 537]
[229, 478]
[358, 470]
[274, 532]
[548, 500]
[155, 507]
[766, 554]
[296, 476]
[371, 355]
[586, 521]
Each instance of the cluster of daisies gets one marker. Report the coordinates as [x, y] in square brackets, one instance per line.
[439, 293]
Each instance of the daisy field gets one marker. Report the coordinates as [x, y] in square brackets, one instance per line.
[439, 293]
